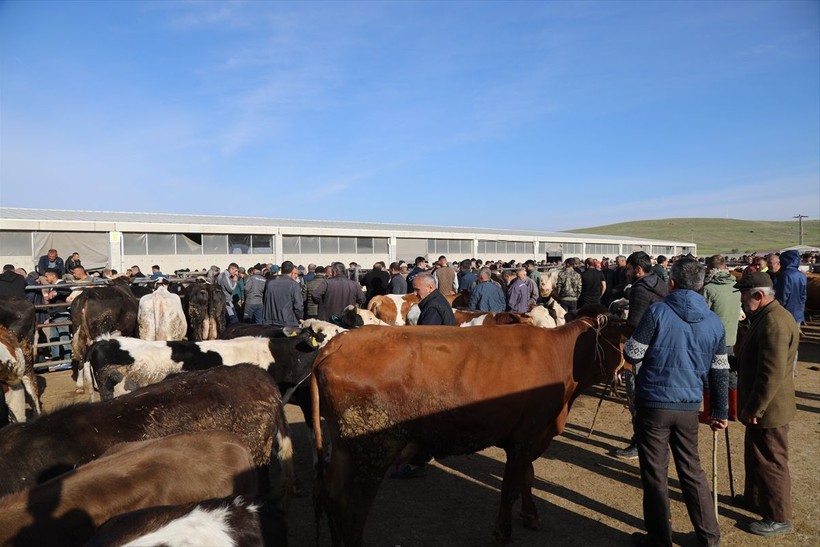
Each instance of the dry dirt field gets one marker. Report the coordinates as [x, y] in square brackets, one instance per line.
[585, 496]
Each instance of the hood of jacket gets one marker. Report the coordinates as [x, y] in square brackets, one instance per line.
[688, 305]
[9, 277]
[722, 277]
[654, 284]
[790, 259]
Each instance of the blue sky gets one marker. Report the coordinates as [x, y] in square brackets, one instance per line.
[528, 115]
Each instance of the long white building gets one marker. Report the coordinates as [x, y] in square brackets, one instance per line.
[120, 240]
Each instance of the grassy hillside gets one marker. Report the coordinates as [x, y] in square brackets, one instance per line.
[718, 235]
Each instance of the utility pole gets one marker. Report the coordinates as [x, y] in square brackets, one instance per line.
[800, 219]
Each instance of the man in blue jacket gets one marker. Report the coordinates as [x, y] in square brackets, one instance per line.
[677, 345]
[790, 285]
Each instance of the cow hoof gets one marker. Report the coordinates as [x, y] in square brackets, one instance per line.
[530, 521]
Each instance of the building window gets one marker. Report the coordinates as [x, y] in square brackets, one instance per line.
[161, 244]
[262, 244]
[239, 244]
[15, 243]
[134, 244]
[189, 244]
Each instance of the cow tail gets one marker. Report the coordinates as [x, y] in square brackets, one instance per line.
[284, 453]
[318, 488]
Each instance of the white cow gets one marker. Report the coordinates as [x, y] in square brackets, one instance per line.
[161, 316]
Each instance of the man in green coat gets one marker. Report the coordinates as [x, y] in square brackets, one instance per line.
[766, 399]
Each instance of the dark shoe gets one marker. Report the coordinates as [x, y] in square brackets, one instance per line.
[628, 453]
[768, 527]
[408, 471]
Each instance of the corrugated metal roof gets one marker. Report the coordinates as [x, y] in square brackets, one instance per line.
[57, 215]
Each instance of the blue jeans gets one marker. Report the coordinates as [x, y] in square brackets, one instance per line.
[58, 333]
[253, 314]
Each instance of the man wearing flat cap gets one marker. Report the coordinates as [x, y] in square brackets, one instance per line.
[766, 401]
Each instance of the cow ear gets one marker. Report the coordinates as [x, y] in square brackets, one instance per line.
[291, 331]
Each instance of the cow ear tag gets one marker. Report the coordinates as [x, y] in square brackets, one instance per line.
[314, 342]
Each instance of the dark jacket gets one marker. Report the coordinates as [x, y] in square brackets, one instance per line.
[592, 281]
[335, 295]
[679, 343]
[435, 310]
[12, 284]
[311, 305]
[283, 304]
[410, 276]
[487, 296]
[766, 364]
[397, 285]
[790, 285]
[644, 292]
[376, 283]
[59, 265]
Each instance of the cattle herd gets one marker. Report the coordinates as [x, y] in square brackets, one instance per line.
[189, 436]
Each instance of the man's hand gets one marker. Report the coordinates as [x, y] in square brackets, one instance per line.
[747, 418]
[717, 425]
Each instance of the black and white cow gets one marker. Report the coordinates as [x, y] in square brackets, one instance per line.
[243, 400]
[121, 364]
[218, 522]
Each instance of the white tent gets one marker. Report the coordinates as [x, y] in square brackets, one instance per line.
[802, 249]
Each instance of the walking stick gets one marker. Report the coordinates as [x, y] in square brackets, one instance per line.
[714, 472]
[729, 461]
[601, 400]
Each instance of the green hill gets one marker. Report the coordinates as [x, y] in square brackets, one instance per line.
[718, 235]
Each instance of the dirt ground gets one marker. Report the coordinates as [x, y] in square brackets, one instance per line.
[585, 496]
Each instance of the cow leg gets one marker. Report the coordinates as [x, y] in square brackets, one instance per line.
[529, 514]
[349, 498]
[514, 472]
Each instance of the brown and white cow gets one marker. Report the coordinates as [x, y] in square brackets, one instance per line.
[389, 393]
[548, 283]
[160, 316]
[393, 308]
[243, 399]
[19, 377]
[18, 317]
[178, 469]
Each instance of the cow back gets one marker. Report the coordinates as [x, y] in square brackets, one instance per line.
[242, 399]
[170, 470]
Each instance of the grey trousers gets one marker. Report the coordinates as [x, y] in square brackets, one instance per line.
[658, 430]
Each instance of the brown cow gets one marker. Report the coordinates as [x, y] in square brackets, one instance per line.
[812, 293]
[448, 391]
[243, 399]
[170, 470]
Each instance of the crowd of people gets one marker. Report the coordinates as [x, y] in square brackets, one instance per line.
[684, 312]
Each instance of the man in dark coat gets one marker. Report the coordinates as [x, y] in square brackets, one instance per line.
[375, 281]
[337, 293]
[647, 289]
[12, 283]
[767, 403]
[435, 309]
[397, 284]
[283, 303]
[51, 261]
